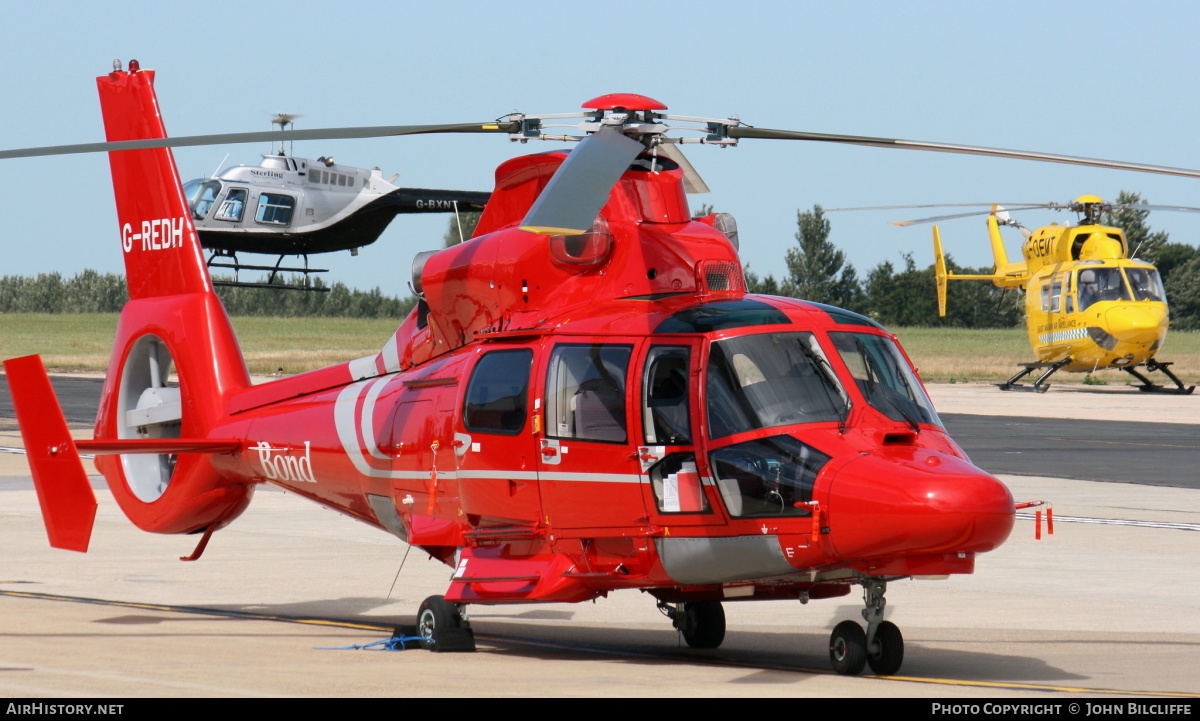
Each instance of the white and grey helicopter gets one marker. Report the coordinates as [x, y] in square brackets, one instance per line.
[289, 205]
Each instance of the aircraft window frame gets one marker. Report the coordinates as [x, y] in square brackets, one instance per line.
[499, 370]
[666, 401]
[275, 209]
[232, 207]
[586, 392]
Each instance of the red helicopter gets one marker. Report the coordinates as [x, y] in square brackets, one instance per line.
[584, 400]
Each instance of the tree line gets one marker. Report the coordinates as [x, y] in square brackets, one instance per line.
[92, 292]
[817, 270]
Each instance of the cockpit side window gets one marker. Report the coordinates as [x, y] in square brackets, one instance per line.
[665, 410]
[233, 205]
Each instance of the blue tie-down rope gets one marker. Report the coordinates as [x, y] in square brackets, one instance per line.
[395, 643]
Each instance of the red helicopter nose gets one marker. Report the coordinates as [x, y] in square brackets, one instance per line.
[916, 503]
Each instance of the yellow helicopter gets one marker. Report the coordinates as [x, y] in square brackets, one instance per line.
[1089, 304]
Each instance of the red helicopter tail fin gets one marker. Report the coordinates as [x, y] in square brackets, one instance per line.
[176, 362]
[162, 251]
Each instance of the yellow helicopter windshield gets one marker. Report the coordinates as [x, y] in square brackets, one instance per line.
[1146, 284]
[885, 378]
[1097, 285]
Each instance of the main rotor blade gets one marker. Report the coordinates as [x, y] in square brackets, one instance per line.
[1148, 206]
[263, 136]
[1004, 209]
[570, 202]
[749, 132]
[933, 205]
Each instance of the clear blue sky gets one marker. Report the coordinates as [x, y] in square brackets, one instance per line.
[1101, 79]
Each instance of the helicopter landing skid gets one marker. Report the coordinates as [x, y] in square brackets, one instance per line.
[1151, 387]
[274, 281]
[1039, 386]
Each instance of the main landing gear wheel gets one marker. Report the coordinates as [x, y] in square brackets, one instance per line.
[702, 623]
[848, 648]
[887, 651]
[441, 625]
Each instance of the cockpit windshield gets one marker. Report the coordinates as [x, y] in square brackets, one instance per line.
[1146, 284]
[885, 378]
[1096, 285]
[770, 379]
[201, 194]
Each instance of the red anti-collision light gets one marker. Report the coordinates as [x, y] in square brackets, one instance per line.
[629, 101]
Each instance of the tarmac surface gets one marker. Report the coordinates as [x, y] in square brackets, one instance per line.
[1105, 608]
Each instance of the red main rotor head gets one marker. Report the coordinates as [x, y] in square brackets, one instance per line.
[628, 101]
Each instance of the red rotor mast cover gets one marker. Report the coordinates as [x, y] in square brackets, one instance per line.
[629, 101]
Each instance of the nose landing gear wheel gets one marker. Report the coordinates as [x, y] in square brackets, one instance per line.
[703, 624]
[888, 650]
[848, 648]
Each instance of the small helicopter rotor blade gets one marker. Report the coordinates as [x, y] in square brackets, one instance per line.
[989, 211]
[264, 136]
[930, 205]
[751, 132]
[692, 182]
[570, 202]
[1147, 206]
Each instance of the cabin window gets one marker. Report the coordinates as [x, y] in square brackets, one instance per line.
[767, 476]
[1145, 284]
[275, 209]
[665, 411]
[585, 392]
[201, 194]
[233, 206]
[885, 378]
[498, 391]
[770, 379]
[1052, 297]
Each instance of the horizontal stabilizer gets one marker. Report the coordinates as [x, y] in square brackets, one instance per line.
[64, 493]
[159, 445]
